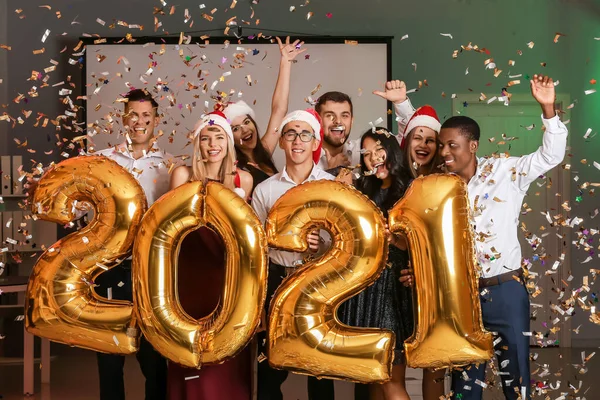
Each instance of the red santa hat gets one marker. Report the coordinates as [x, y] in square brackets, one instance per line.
[317, 152]
[214, 118]
[424, 116]
[305, 116]
[239, 108]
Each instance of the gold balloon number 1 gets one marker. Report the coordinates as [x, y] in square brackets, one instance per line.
[434, 214]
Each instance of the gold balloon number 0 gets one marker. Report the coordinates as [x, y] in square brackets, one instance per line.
[223, 333]
[60, 302]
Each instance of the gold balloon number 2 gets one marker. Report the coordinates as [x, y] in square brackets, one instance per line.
[304, 334]
[61, 304]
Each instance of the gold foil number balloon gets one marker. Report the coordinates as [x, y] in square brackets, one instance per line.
[304, 334]
[61, 304]
[434, 214]
[222, 334]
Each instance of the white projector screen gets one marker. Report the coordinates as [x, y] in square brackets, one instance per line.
[355, 69]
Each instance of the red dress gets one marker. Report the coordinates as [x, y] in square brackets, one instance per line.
[200, 289]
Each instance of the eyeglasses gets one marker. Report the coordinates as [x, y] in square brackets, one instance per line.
[305, 136]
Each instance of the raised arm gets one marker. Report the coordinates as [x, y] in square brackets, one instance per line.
[554, 141]
[279, 104]
[395, 91]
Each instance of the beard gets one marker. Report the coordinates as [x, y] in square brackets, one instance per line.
[336, 142]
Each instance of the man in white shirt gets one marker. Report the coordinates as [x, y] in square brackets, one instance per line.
[496, 187]
[141, 156]
[300, 136]
[336, 112]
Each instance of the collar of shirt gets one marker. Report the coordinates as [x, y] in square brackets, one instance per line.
[311, 177]
[155, 151]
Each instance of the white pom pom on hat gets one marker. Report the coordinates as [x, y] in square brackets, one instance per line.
[214, 118]
[238, 108]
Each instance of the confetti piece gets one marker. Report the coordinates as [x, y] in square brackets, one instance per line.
[188, 378]
[310, 14]
[46, 34]
[597, 165]
[530, 45]
[558, 35]
[404, 37]
[591, 91]
[447, 35]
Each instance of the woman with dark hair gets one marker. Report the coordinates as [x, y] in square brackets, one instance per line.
[418, 132]
[386, 304]
[254, 153]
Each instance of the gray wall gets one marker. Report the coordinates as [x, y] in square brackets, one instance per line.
[503, 27]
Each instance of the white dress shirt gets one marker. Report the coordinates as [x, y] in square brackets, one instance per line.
[351, 149]
[496, 195]
[151, 170]
[268, 192]
[497, 190]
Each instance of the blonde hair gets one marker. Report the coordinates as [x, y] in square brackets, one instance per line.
[228, 165]
[434, 164]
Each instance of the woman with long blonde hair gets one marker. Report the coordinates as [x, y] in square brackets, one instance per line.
[201, 266]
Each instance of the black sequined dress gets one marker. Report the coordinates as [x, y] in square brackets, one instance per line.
[386, 304]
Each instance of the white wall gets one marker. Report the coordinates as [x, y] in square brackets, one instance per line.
[354, 69]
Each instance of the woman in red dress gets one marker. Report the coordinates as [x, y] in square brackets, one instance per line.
[201, 267]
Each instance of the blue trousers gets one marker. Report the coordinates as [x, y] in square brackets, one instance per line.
[505, 311]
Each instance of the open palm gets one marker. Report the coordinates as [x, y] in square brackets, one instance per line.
[542, 89]
[289, 51]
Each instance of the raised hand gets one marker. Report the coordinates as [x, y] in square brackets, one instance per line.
[395, 91]
[542, 89]
[289, 51]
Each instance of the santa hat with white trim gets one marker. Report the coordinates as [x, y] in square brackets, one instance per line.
[239, 108]
[305, 116]
[214, 118]
[424, 116]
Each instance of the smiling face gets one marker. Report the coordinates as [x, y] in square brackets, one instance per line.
[458, 152]
[213, 144]
[140, 119]
[245, 133]
[374, 157]
[422, 145]
[337, 122]
[298, 152]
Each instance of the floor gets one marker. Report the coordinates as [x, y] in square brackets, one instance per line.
[74, 377]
